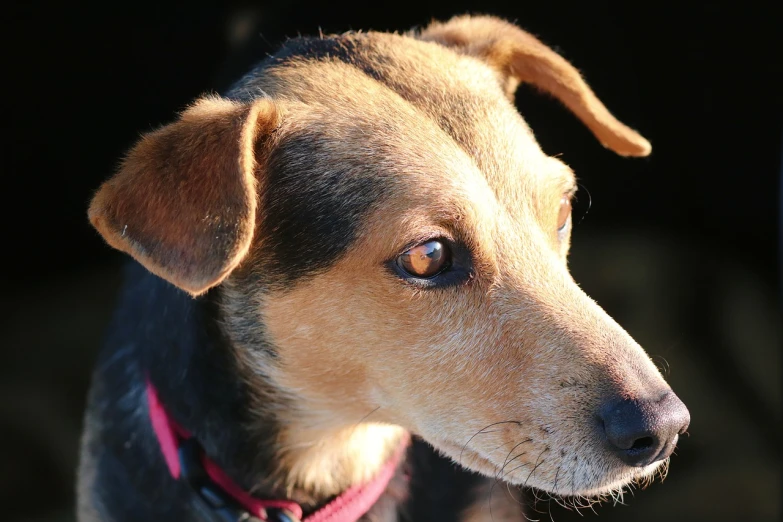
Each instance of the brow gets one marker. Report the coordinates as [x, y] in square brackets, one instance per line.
[568, 181]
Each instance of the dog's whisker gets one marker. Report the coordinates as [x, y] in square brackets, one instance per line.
[615, 497]
[663, 365]
[589, 202]
[591, 504]
[481, 432]
[562, 502]
[513, 470]
[512, 460]
[557, 475]
[506, 461]
[535, 467]
[663, 470]
[363, 419]
[494, 449]
[497, 477]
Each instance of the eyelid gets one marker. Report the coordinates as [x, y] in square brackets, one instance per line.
[566, 199]
[429, 235]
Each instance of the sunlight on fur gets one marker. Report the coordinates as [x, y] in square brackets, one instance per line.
[357, 453]
[614, 494]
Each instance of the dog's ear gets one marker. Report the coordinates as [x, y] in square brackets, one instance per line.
[520, 57]
[183, 202]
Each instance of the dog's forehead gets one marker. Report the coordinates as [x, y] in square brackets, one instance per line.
[372, 117]
[386, 75]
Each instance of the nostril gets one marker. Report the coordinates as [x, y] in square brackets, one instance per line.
[640, 431]
[644, 443]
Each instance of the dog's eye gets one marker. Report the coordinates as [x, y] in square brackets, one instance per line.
[564, 213]
[425, 260]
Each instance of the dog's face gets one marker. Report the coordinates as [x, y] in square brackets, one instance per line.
[379, 213]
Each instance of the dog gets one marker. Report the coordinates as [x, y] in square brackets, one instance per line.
[350, 298]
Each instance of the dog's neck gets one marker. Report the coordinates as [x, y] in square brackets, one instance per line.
[194, 365]
[322, 465]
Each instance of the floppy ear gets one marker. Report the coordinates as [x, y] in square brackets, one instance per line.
[520, 57]
[183, 202]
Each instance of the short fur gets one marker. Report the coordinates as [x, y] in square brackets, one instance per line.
[306, 358]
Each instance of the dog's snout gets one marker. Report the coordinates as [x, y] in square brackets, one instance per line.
[641, 432]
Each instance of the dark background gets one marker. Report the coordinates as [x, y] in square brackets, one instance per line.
[681, 247]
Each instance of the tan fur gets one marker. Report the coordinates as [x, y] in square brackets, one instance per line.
[363, 356]
[184, 201]
[523, 58]
[325, 465]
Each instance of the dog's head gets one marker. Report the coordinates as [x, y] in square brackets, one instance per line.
[382, 221]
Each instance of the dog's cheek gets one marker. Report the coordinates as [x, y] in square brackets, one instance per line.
[432, 362]
[353, 342]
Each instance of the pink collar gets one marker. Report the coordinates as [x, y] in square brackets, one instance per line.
[348, 507]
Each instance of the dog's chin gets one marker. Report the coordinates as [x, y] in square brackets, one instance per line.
[615, 482]
[468, 458]
[609, 483]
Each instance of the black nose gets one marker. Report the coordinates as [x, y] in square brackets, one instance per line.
[641, 432]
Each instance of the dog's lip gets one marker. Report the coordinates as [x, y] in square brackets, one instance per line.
[460, 451]
[625, 475]
[630, 475]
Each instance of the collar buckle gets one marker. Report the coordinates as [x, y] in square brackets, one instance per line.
[280, 515]
[211, 501]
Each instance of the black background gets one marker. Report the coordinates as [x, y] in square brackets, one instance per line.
[681, 247]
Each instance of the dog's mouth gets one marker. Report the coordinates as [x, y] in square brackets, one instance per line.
[577, 481]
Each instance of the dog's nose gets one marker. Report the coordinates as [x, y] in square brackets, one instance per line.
[641, 432]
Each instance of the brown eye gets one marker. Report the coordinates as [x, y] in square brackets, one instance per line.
[425, 260]
[564, 213]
